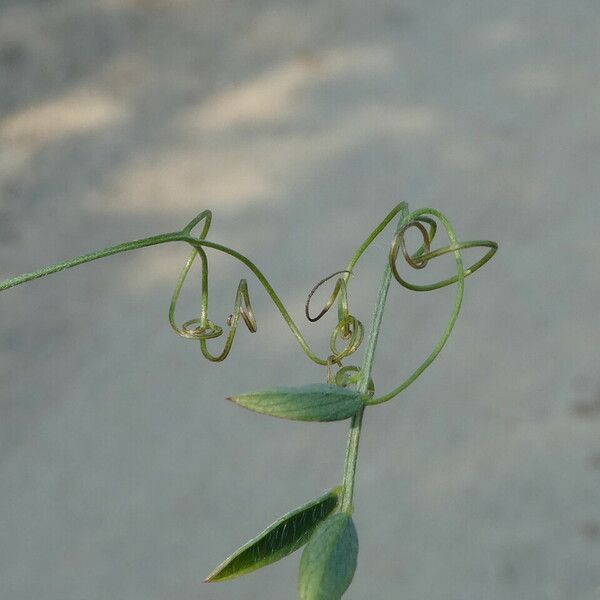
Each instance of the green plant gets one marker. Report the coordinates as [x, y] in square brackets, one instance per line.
[325, 525]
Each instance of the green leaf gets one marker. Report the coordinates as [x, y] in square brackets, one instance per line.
[315, 402]
[329, 559]
[281, 538]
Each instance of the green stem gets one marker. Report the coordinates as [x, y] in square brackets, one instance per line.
[74, 262]
[357, 419]
[178, 236]
[460, 279]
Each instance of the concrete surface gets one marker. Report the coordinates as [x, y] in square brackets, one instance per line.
[123, 472]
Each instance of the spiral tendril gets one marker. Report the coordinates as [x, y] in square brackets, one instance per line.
[351, 375]
[421, 258]
[348, 328]
[205, 329]
[340, 289]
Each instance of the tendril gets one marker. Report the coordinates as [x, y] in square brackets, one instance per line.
[331, 361]
[339, 289]
[199, 328]
[416, 261]
[419, 260]
[348, 328]
[351, 375]
[356, 329]
[204, 328]
[203, 331]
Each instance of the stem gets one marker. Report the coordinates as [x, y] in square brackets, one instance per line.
[357, 419]
[80, 260]
[177, 236]
[460, 279]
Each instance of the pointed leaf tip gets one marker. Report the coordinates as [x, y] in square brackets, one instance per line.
[283, 537]
[314, 402]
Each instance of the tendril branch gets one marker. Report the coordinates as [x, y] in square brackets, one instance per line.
[202, 329]
[348, 328]
[340, 289]
[419, 260]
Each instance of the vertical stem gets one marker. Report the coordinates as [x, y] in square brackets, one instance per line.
[357, 419]
[351, 458]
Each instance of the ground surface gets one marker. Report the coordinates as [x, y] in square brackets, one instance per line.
[123, 472]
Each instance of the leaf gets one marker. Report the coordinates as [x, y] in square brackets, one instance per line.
[281, 538]
[329, 559]
[315, 402]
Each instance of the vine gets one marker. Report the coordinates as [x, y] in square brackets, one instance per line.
[324, 524]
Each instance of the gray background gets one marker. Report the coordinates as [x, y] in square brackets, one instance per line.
[123, 472]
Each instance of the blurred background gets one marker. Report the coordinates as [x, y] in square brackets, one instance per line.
[123, 472]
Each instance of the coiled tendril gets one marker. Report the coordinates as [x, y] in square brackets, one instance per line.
[202, 328]
[421, 258]
[348, 328]
[424, 221]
